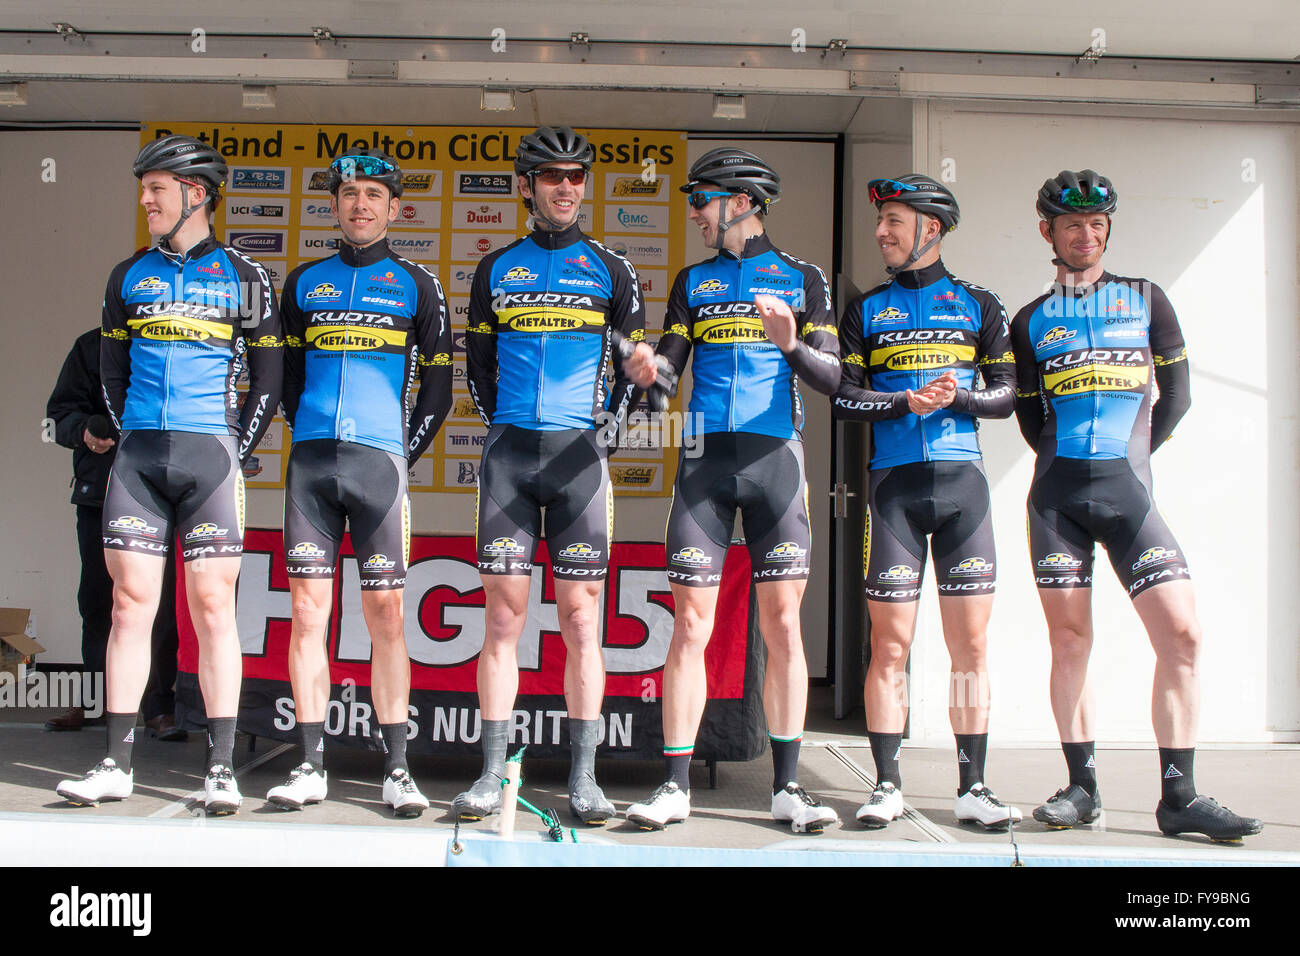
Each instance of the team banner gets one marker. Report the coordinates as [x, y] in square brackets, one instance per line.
[444, 635]
[459, 202]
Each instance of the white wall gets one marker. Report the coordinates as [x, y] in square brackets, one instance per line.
[1223, 245]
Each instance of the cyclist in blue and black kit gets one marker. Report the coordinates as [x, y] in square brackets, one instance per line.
[543, 314]
[758, 320]
[915, 350]
[181, 322]
[360, 327]
[1087, 353]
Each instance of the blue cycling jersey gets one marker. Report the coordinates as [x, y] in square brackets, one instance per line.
[908, 331]
[541, 312]
[741, 381]
[359, 327]
[1087, 355]
[177, 332]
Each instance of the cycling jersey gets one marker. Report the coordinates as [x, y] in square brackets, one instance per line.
[541, 313]
[1084, 358]
[908, 331]
[360, 326]
[741, 381]
[177, 331]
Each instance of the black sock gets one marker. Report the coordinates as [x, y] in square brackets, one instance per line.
[493, 741]
[221, 741]
[677, 768]
[1081, 759]
[785, 760]
[121, 737]
[394, 736]
[313, 744]
[971, 749]
[885, 750]
[1177, 789]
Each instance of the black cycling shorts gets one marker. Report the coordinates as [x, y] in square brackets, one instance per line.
[562, 472]
[165, 482]
[1076, 502]
[763, 478]
[330, 482]
[949, 502]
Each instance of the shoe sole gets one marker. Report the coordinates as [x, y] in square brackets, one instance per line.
[997, 826]
[807, 827]
[78, 801]
[284, 803]
[1051, 824]
[409, 811]
[645, 823]
[468, 815]
[221, 809]
[593, 821]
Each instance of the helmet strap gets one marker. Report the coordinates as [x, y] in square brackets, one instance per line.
[186, 210]
[724, 224]
[918, 250]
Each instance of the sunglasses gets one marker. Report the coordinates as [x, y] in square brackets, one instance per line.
[553, 177]
[701, 198]
[881, 190]
[1078, 197]
[350, 167]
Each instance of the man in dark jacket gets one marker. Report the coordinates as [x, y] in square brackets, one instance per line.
[81, 422]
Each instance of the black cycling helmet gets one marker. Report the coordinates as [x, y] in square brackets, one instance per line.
[1069, 192]
[365, 162]
[738, 171]
[552, 144]
[189, 160]
[923, 194]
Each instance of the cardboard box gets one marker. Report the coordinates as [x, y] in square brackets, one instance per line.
[18, 644]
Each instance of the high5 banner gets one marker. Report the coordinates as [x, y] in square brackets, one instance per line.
[444, 635]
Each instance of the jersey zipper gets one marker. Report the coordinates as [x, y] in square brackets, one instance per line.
[343, 364]
[541, 354]
[1096, 395]
[735, 354]
[171, 348]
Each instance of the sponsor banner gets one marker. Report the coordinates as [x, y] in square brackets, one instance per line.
[641, 250]
[460, 202]
[624, 188]
[420, 475]
[316, 212]
[255, 243]
[491, 216]
[637, 476]
[458, 280]
[444, 636]
[273, 437]
[460, 472]
[497, 183]
[624, 217]
[654, 283]
[416, 246]
[258, 212]
[463, 409]
[459, 307]
[253, 179]
[417, 214]
[464, 441]
[470, 246]
[315, 243]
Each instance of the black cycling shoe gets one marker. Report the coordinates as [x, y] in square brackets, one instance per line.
[1204, 815]
[1069, 807]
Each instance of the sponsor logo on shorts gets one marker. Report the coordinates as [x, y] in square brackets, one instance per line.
[1057, 333]
[1155, 555]
[900, 574]
[786, 551]
[205, 530]
[579, 551]
[503, 546]
[132, 525]
[378, 562]
[1058, 559]
[973, 565]
[304, 551]
[710, 287]
[693, 557]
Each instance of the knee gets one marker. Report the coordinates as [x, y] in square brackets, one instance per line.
[1182, 645]
[309, 611]
[385, 616]
[887, 652]
[1070, 641]
[692, 628]
[214, 608]
[505, 617]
